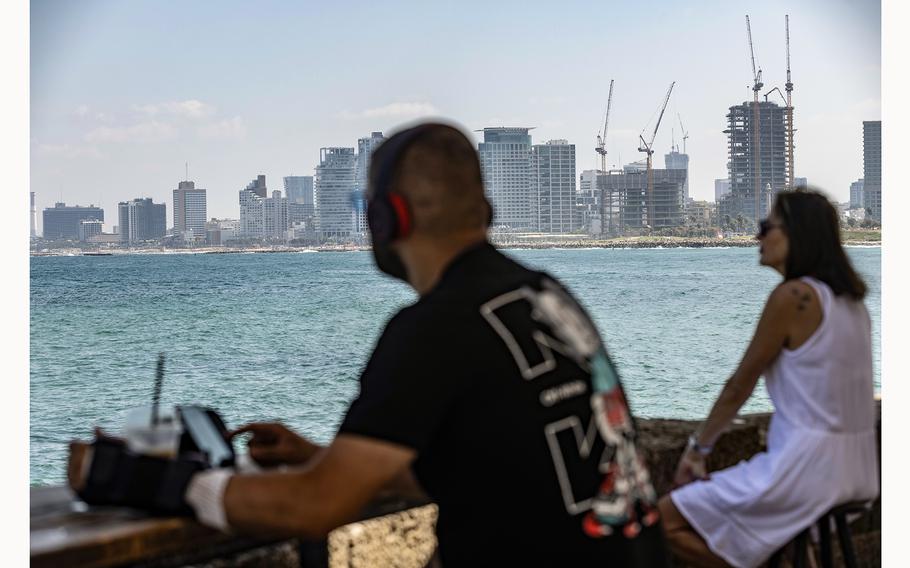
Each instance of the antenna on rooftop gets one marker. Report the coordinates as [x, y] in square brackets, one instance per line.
[187, 172]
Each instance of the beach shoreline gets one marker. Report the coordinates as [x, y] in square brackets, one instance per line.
[525, 244]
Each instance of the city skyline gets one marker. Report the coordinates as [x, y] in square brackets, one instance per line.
[232, 109]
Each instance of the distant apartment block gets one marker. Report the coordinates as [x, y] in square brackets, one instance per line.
[721, 188]
[800, 183]
[676, 160]
[365, 148]
[262, 217]
[505, 162]
[189, 210]
[88, 229]
[872, 168]
[552, 196]
[257, 187]
[299, 189]
[141, 220]
[700, 213]
[856, 194]
[32, 216]
[221, 231]
[333, 186]
[587, 201]
[63, 222]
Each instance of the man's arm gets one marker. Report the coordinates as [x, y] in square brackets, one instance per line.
[313, 500]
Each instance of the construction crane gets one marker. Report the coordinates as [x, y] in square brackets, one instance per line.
[756, 126]
[685, 133]
[648, 148]
[789, 88]
[602, 150]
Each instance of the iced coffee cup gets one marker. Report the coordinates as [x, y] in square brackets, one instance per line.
[148, 436]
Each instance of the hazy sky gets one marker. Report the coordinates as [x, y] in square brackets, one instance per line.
[123, 93]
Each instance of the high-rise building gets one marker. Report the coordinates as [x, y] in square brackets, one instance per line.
[189, 209]
[88, 229]
[505, 162]
[628, 191]
[676, 160]
[365, 147]
[721, 188]
[62, 221]
[299, 189]
[587, 201]
[872, 168]
[769, 170]
[856, 194]
[333, 186]
[800, 183]
[141, 220]
[262, 217]
[553, 200]
[32, 216]
[257, 187]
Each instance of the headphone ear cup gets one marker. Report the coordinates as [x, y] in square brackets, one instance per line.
[382, 221]
[401, 214]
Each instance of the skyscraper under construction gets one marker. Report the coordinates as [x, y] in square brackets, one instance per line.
[757, 159]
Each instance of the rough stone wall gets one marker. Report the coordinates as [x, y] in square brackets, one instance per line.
[406, 539]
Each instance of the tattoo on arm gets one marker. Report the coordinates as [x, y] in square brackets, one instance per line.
[803, 302]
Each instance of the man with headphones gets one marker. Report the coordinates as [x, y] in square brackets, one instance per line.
[493, 391]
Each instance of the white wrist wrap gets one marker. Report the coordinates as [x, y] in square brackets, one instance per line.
[205, 494]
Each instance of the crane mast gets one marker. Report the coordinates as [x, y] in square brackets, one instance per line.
[602, 150]
[790, 130]
[756, 126]
[647, 148]
[685, 133]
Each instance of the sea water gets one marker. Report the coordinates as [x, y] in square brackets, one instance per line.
[284, 336]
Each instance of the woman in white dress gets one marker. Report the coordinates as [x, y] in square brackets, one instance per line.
[813, 346]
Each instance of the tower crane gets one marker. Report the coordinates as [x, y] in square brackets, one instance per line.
[648, 148]
[602, 150]
[789, 88]
[685, 133]
[756, 126]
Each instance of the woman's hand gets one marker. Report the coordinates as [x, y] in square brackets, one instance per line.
[275, 444]
[691, 467]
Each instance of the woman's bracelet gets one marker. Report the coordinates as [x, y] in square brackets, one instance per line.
[699, 449]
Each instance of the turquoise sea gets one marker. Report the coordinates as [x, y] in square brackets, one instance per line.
[283, 336]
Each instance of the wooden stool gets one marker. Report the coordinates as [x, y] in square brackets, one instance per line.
[801, 542]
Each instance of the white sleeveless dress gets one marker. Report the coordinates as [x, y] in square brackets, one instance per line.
[821, 443]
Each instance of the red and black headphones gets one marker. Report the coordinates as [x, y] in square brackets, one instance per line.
[388, 214]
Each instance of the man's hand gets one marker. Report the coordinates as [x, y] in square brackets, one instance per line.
[691, 467]
[274, 444]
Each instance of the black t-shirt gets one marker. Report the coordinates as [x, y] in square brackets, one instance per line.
[475, 378]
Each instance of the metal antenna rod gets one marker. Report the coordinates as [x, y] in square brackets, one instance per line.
[156, 395]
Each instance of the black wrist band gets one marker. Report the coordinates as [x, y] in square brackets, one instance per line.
[120, 477]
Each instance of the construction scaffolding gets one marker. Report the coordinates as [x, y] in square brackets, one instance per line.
[769, 173]
[626, 195]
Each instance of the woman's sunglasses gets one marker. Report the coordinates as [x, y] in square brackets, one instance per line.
[765, 226]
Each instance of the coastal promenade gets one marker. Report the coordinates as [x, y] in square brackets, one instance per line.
[397, 530]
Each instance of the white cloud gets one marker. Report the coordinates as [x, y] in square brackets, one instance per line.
[395, 110]
[142, 132]
[86, 112]
[229, 128]
[191, 108]
[69, 151]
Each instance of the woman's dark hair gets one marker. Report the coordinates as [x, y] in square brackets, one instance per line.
[811, 224]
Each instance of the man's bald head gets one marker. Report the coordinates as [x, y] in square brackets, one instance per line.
[438, 173]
